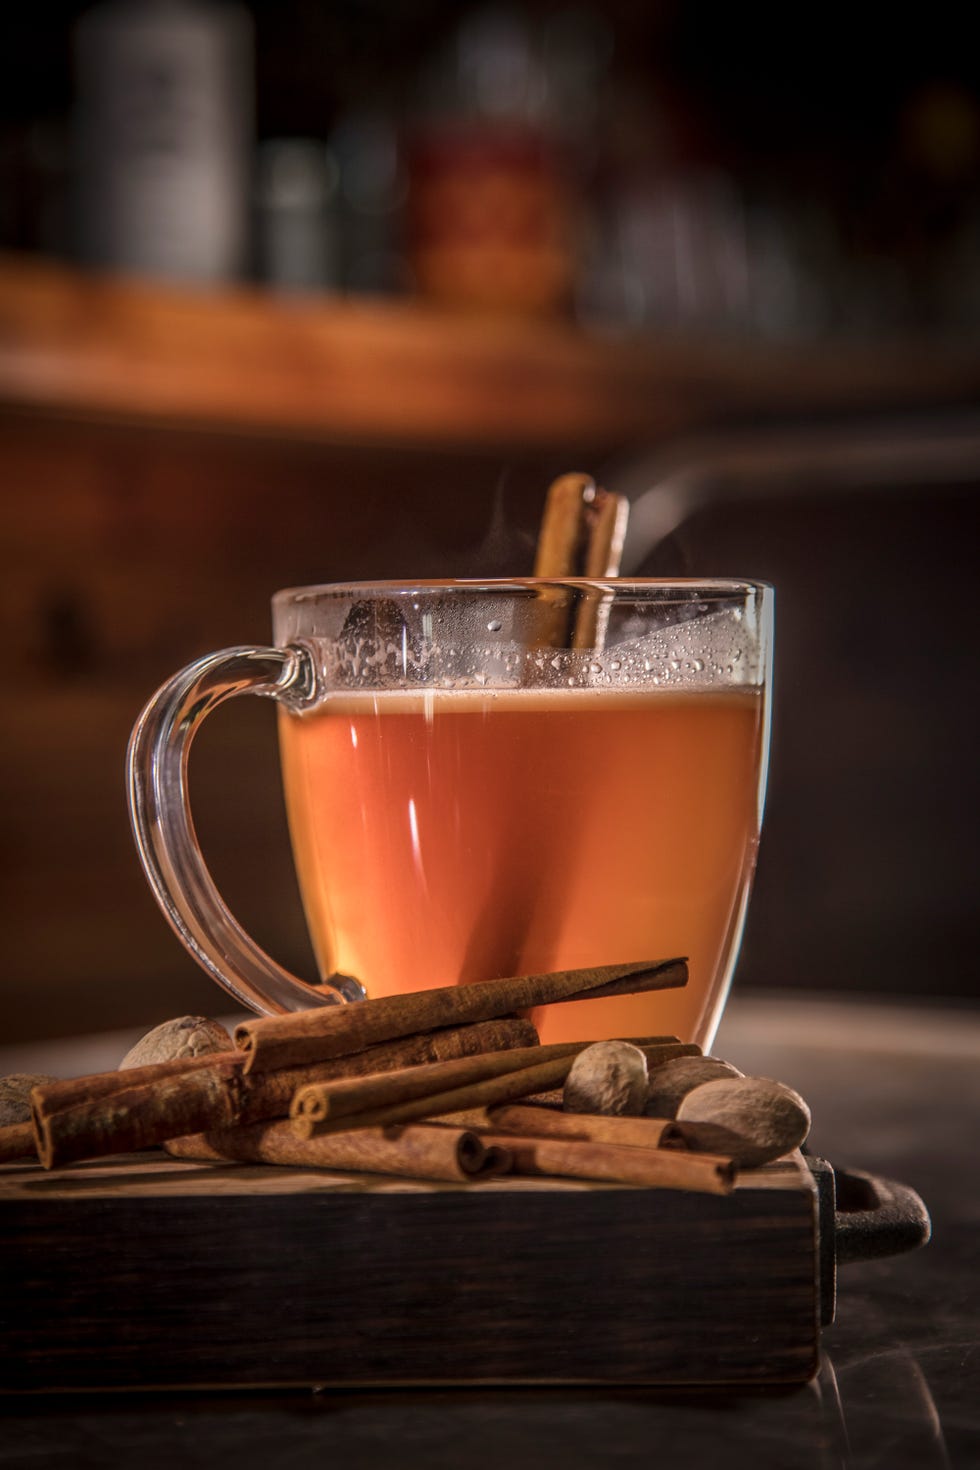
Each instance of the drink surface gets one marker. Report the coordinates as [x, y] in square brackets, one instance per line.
[443, 837]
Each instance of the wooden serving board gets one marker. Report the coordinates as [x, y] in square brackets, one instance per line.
[142, 1271]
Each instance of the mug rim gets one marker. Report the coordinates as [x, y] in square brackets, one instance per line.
[707, 587]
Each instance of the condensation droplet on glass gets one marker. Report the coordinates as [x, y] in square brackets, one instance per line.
[494, 625]
[698, 665]
[480, 678]
[556, 662]
[615, 664]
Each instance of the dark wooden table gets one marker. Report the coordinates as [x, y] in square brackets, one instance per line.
[893, 1091]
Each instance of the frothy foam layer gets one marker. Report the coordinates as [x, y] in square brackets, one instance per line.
[477, 701]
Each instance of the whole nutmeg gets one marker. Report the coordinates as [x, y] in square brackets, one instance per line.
[186, 1036]
[607, 1077]
[671, 1081]
[750, 1119]
[15, 1095]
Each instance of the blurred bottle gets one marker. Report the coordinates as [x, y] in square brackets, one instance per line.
[371, 200]
[163, 136]
[937, 179]
[671, 255]
[492, 217]
[297, 243]
[681, 244]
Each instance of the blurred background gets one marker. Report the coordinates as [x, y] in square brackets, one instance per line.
[297, 292]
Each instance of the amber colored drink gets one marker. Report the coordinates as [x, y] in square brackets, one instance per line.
[447, 837]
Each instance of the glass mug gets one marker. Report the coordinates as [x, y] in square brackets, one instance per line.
[485, 779]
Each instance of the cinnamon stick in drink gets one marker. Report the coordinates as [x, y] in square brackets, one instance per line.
[330, 1031]
[418, 1151]
[118, 1112]
[606, 516]
[582, 532]
[561, 534]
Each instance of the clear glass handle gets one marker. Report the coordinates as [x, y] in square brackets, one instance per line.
[164, 830]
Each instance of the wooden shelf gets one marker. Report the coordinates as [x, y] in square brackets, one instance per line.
[403, 374]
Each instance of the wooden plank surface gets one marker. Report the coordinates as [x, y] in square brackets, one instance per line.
[144, 1272]
[154, 1174]
[398, 372]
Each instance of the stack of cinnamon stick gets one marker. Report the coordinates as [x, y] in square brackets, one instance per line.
[437, 1084]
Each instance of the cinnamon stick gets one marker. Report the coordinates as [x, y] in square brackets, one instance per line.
[320, 1102]
[606, 517]
[537, 1122]
[16, 1142]
[481, 1091]
[657, 1052]
[614, 1163]
[269, 1094]
[552, 1098]
[70, 1090]
[336, 1100]
[416, 1152]
[330, 1031]
[562, 529]
[119, 1112]
[135, 1115]
[657, 1049]
[582, 532]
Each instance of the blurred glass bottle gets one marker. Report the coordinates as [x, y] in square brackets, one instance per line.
[492, 209]
[163, 133]
[681, 243]
[366, 147]
[296, 233]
